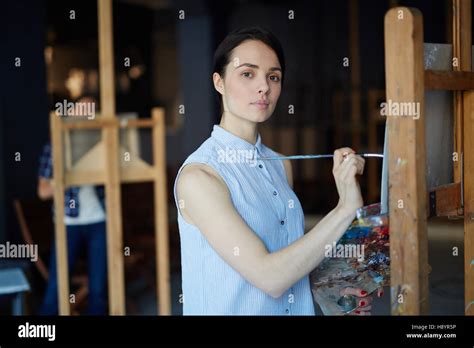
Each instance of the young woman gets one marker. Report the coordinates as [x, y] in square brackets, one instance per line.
[243, 246]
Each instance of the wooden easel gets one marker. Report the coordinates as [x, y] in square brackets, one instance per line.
[406, 81]
[102, 166]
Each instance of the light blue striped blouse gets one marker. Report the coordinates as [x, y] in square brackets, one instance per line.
[263, 198]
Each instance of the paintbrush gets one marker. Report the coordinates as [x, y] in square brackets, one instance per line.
[296, 157]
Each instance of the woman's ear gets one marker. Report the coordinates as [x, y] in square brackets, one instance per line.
[218, 83]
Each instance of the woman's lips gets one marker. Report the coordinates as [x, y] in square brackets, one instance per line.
[261, 105]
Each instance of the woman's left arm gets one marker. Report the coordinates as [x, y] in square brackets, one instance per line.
[364, 300]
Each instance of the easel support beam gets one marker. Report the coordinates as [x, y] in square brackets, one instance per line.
[404, 71]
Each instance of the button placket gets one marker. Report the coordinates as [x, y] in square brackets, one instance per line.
[277, 198]
[262, 167]
[281, 208]
[288, 306]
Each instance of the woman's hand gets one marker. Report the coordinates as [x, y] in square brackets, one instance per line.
[364, 302]
[346, 166]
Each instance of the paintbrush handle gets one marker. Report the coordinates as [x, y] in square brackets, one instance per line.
[296, 157]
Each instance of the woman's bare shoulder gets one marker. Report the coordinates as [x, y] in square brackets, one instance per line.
[198, 174]
[201, 187]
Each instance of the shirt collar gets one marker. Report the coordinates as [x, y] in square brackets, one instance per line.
[233, 141]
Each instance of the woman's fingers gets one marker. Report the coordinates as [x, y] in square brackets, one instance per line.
[348, 167]
[365, 301]
[342, 162]
[353, 291]
[379, 292]
[360, 313]
[351, 166]
[361, 165]
[364, 306]
[339, 155]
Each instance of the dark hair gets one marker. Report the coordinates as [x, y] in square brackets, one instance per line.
[235, 38]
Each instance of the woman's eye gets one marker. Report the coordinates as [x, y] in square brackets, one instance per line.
[246, 74]
[275, 78]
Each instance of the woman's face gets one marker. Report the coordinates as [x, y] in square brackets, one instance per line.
[252, 83]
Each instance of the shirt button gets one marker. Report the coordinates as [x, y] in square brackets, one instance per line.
[282, 222]
[287, 311]
[260, 166]
[275, 193]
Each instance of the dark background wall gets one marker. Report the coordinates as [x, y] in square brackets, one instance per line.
[23, 105]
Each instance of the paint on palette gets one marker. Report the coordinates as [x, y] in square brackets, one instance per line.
[369, 232]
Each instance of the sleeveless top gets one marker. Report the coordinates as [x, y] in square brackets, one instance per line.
[262, 196]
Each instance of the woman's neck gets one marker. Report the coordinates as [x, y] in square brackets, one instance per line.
[244, 129]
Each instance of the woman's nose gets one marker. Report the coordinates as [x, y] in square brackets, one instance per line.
[263, 88]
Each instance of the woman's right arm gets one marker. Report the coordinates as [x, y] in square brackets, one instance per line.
[205, 202]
